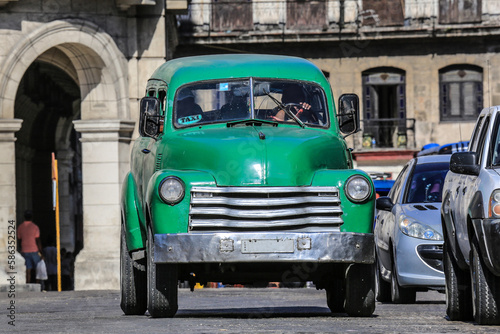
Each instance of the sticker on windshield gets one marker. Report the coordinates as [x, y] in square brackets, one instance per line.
[189, 119]
[223, 87]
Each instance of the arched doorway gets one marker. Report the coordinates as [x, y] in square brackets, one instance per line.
[384, 107]
[48, 100]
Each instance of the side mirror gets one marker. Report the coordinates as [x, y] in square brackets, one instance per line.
[348, 114]
[384, 203]
[464, 163]
[149, 119]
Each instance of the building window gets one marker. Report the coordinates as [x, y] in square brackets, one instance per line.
[383, 12]
[460, 92]
[384, 107]
[230, 15]
[459, 11]
[306, 15]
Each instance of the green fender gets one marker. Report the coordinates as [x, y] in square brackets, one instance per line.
[358, 217]
[132, 217]
[167, 218]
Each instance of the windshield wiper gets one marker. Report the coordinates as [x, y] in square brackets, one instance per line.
[285, 109]
[251, 121]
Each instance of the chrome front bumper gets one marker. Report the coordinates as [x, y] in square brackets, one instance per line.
[324, 247]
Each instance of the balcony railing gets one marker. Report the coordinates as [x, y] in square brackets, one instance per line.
[386, 133]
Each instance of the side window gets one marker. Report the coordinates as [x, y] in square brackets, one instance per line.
[475, 133]
[396, 188]
[480, 149]
[162, 94]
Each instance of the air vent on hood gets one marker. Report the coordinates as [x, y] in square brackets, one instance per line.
[425, 208]
[158, 162]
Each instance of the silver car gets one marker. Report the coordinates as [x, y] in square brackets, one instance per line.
[408, 232]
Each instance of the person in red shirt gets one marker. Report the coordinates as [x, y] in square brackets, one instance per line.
[31, 246]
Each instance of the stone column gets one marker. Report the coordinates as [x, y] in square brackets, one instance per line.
[105, 161]
[66, 200]
[8, 199]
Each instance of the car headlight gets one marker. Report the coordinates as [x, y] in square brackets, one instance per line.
[413, 228]
[171, 190]
[357, 188]
[494, 208]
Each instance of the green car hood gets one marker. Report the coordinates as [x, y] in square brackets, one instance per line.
[254, 155]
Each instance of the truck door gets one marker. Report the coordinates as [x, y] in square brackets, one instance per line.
[150, 158]
[467, 188]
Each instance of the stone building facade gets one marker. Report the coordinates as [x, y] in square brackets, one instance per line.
[72, 73]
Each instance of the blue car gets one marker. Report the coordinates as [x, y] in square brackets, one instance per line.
[450, 148]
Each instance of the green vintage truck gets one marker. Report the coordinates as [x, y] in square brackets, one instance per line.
[241, 174]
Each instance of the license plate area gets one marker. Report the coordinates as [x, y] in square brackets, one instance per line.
[259, 246]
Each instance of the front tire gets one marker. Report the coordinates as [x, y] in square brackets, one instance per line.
[133, 282]
[360, 290]
[400, 295]
[162, 285]
[458, 290]
[485, 290]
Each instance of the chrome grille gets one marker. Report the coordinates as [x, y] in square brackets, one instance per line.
[307, 209]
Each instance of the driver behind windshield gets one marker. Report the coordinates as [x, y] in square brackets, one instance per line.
[294, 97]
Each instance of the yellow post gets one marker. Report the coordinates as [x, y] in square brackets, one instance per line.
[55, 182]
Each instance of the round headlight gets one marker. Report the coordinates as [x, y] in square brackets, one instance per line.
[357, 188]
[171, 190]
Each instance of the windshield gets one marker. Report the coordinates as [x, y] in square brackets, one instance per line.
[426, 184]
[303, 99]
[273, 100]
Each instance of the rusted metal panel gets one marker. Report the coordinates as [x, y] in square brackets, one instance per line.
[231, 15]
[306, 15]
[459, 11]
[383, 12]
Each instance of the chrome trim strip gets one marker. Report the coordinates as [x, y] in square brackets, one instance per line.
[265, 214]
[227, 223]
[265, 190]
[265, 201]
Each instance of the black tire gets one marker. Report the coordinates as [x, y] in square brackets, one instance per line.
[133, 282]
[383, 287]
[400, 295]
[360, 290]
[458, 288]
[335, 296]
[162, 285]
[485, 290]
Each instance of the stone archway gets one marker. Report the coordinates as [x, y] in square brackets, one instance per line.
[101, 73]
[48, 100]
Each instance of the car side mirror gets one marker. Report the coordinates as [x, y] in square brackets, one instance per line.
[149, 119]
[348, 114]
[384, 203]
[464, 163]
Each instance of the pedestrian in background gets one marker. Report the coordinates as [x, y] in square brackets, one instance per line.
[31, 246]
